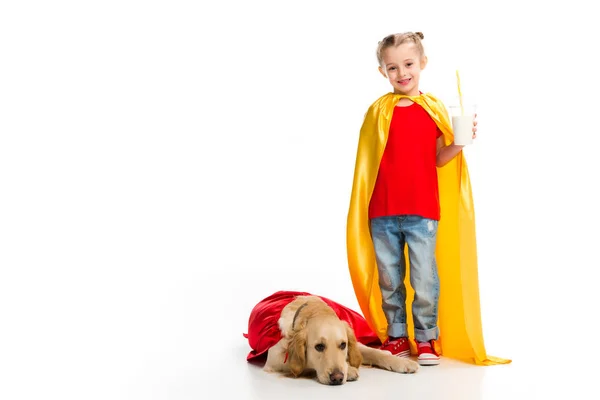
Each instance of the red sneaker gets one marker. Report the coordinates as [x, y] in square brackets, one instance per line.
[399, 347]
[427, 353]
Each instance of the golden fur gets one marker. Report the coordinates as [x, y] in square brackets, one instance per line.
[315, 339]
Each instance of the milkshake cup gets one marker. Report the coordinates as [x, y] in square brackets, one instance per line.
[462, 123]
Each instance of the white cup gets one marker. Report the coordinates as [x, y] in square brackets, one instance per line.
[462, 123]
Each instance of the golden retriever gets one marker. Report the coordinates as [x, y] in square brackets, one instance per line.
[315, 339]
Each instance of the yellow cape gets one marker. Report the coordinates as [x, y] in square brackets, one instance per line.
[459, 317]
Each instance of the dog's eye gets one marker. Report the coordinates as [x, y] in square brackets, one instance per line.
[343, 345]
[320, 347]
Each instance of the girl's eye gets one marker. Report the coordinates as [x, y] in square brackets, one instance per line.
[409, 64]
[319, 347]
[392, 68]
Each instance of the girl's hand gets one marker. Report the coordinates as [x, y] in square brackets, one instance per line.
[475, 126]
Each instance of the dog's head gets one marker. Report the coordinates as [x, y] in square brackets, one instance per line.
[325, 344]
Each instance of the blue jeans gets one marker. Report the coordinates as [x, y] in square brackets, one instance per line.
[389, 235]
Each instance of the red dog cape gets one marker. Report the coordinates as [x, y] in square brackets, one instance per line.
[263, 330]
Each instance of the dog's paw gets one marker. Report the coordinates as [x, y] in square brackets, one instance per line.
[403, 365]
[352, 373]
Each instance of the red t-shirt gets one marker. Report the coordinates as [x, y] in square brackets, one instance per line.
[407, 178]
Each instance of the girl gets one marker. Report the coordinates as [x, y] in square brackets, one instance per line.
[405, 137]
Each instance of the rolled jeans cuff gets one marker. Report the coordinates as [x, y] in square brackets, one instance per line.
[427, 334]
[397, 329]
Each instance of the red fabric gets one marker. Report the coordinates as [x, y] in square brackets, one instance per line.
[407, 179]
[263, 331]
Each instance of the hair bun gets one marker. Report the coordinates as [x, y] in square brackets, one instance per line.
[420, 35]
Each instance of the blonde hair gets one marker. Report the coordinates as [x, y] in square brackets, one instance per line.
[396, 39]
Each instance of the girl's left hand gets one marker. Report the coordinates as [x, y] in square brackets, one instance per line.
[475, 126]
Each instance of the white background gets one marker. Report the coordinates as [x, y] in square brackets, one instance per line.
[166, 165]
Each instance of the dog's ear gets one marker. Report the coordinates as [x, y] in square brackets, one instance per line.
[297, 351]
[354, 356]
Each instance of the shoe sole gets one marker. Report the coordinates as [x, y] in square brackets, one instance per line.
[434, 361]
[404, 354]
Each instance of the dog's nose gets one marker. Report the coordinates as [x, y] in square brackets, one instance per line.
[336, 377]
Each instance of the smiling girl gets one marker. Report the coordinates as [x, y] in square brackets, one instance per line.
[402, 141]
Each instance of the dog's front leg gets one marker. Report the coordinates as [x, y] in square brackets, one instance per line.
[385, 360]
[276, 358]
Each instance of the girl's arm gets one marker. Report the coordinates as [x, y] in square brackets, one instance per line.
[445, 154]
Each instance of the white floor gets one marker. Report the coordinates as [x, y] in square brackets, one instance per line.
[529, 376]
[177, 346]
[532, 375]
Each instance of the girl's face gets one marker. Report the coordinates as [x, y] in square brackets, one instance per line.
[402, 66]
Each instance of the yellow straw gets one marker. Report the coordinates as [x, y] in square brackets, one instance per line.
[462, 111]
